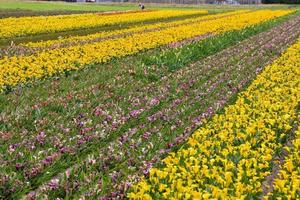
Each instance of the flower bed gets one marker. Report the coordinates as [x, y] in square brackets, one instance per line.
[231, 154]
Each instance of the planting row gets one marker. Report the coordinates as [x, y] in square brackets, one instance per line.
[231, 155]
[287, 182]
[22, 69]
[107, 34]
[31, 47]
[127, 125]
[13, 27]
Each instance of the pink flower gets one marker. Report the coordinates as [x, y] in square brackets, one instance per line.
[41, 138]
[68, 173]
[31, 195]
[12, 148]
[135, 113]
[154, 101]
[54, 184]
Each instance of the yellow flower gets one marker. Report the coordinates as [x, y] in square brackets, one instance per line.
[11, 27]
[19, 69]
[246, 165]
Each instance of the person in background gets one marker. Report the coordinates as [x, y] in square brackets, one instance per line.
[142, 6]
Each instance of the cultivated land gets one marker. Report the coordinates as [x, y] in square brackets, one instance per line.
[62, 6]
[19, 8]
[183, 103]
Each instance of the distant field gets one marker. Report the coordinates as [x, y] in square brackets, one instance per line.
[30, 8]
[53, 7]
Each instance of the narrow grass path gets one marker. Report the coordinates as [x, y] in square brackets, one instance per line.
[4, 13]
[63, 6]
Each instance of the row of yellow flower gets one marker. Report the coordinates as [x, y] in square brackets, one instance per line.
[287, 183]
[11, 27]
[19, 69]
[146, 27]
[230, 156]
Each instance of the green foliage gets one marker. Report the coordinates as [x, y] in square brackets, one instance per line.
[281, 1]
[181, 56]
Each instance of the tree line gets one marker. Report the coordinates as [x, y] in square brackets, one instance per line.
[282, 1]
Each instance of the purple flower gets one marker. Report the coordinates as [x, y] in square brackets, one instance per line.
[12, 148]
[146, 135]
[162, 151]
[49, 159]
[98, 111]
[92, 161]
[41, 138]
[170, 145]
[31, 195]
[68, 173]
[53, 184]
[114, 177]
[85, 130]
[135, 113]
[109, 118]
[154, 101]
[151, 118]
[19, 166]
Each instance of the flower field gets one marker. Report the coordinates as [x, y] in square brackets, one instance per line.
[135, 29]
[168, 104]
[18, 69]
[45, 24]
[231, 154]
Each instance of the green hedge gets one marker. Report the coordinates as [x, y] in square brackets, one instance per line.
[281, 1]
